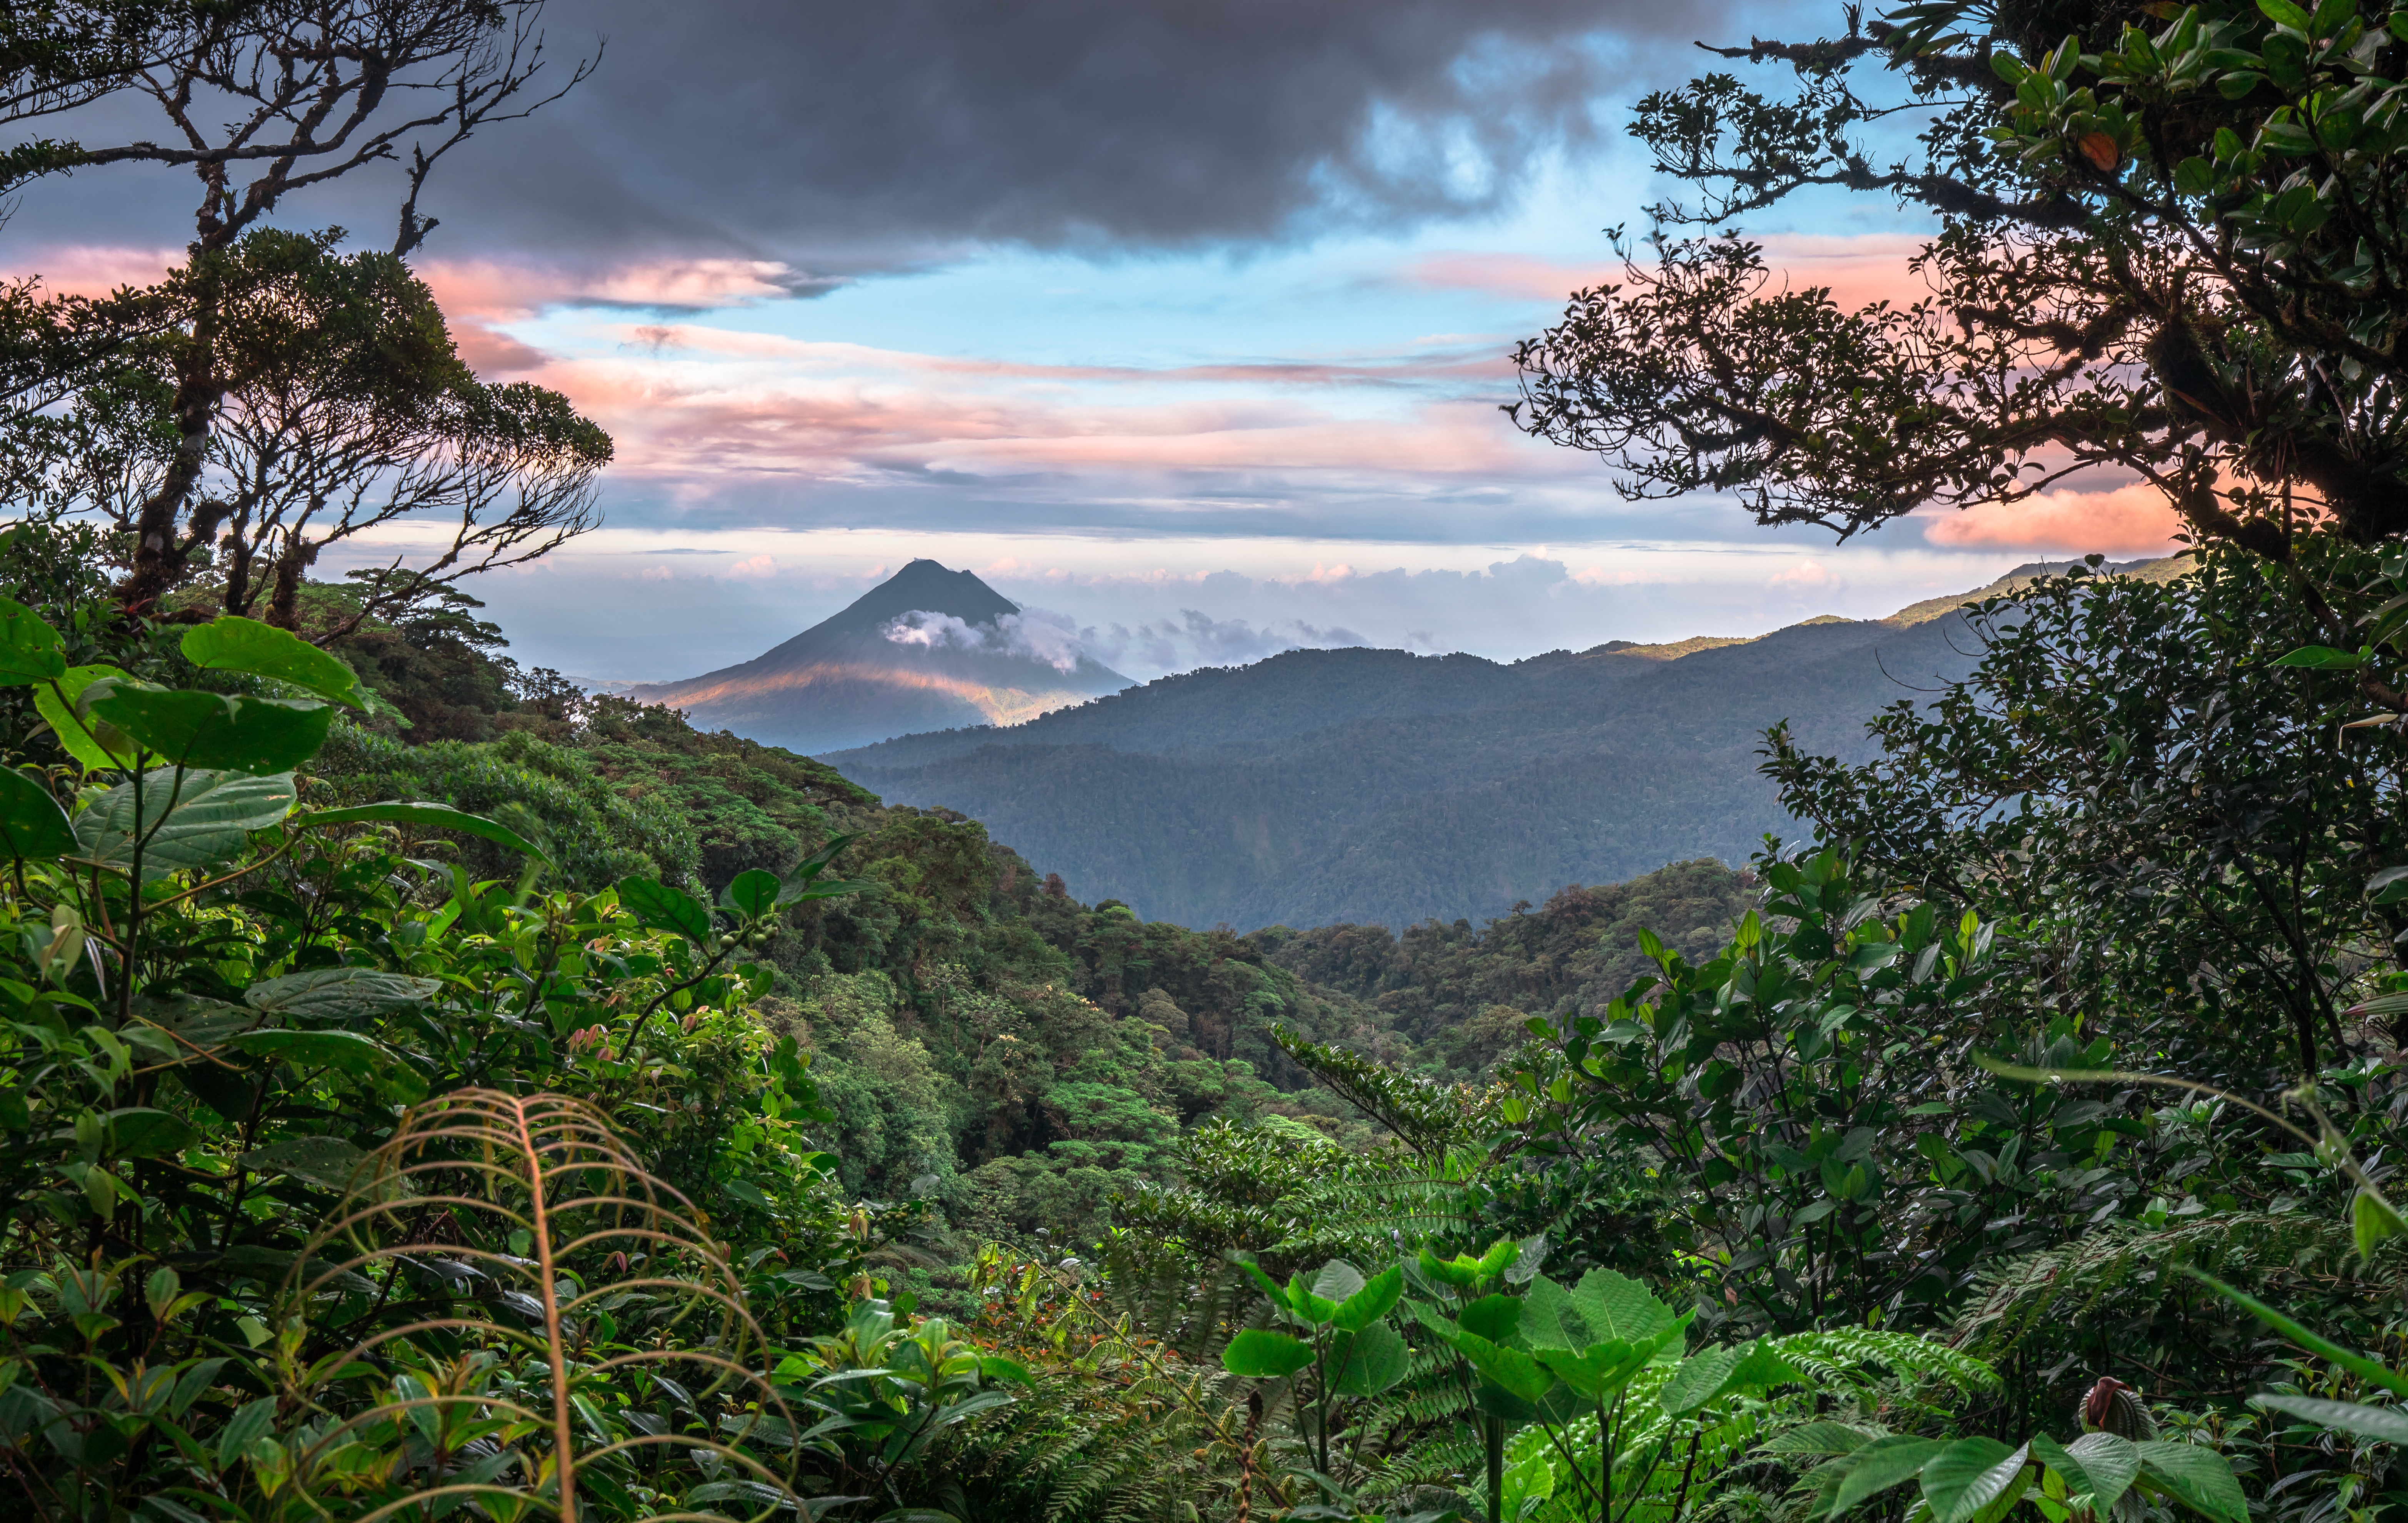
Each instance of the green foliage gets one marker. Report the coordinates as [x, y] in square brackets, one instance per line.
[1796, 1090]
[340, 1116]
[1352, 786]
[549, 794]
[2193, 882]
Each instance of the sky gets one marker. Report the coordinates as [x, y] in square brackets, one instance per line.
[1184, 322]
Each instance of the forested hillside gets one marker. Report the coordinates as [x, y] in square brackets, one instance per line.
[1379, 786]
[1375, 786]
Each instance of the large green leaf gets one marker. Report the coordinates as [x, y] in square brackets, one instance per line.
[142, 1132]
[1617, 1306]
[1259, 1354]
[29, 650]
[330, 1161]
[1528, 1483]
[2197, 1477]
[195, 1026]
[212, 730]
[230, 642]
[345, 1052]
[440, 816]
[2067, 1467]
[1599, 1371]
[1337, 1280]
[1493, 1318]
[1458, 1273]
[33, 827]
[751, 893]
[1306, 1307]
[1510, 1368]
[1548, 1321]
[1698, 1380]
[2384, 1424]
[1969, 1476]
[214, 815]
[1375, 1358]
[55, 702]
[335, 996]
[1372, 1301]
[664, 908]
[2111, 1463]
[1878, 1466]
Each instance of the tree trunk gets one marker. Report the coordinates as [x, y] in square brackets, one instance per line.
[157, 564]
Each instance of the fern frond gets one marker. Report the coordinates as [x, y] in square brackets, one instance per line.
[2065, 1286]
[1840, 1355]
[485, 1202]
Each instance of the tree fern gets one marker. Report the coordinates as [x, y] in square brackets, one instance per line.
[1123, 1422]
[1846, 1357]
[2064, 1287]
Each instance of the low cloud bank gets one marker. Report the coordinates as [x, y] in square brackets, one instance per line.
[1032, 633]
[1194, 639]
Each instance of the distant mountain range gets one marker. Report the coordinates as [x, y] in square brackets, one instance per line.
[926, 648]
[1378, 786]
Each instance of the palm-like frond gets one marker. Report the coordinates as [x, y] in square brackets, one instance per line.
[517, 1274]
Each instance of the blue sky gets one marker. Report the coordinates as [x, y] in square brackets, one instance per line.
[1185, 323]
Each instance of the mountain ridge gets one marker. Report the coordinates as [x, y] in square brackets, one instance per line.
[1381, 786]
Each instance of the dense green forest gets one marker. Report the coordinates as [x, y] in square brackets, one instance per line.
[1376, 785]
[432, 1092]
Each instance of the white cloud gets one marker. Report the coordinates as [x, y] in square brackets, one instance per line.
[1199, 639]
[1807, 579]
[1034, 634]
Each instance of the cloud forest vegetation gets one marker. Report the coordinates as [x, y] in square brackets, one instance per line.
[433, 1091]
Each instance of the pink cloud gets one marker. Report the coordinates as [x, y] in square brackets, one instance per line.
[2121, 520]
[500, 290]
[690, 403]
[91, 270]
[1516, 276]
[1807, 579]
[1858, 268]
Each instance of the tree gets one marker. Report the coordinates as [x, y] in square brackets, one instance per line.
[319, 89]
[2169, 247]
[343, 406]
[2180, 828]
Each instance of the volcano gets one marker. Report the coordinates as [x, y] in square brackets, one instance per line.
[928, 649]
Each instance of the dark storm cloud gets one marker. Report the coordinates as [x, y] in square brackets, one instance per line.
[850, 135]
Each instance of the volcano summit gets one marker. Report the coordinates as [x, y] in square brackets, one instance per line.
[928, 649]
